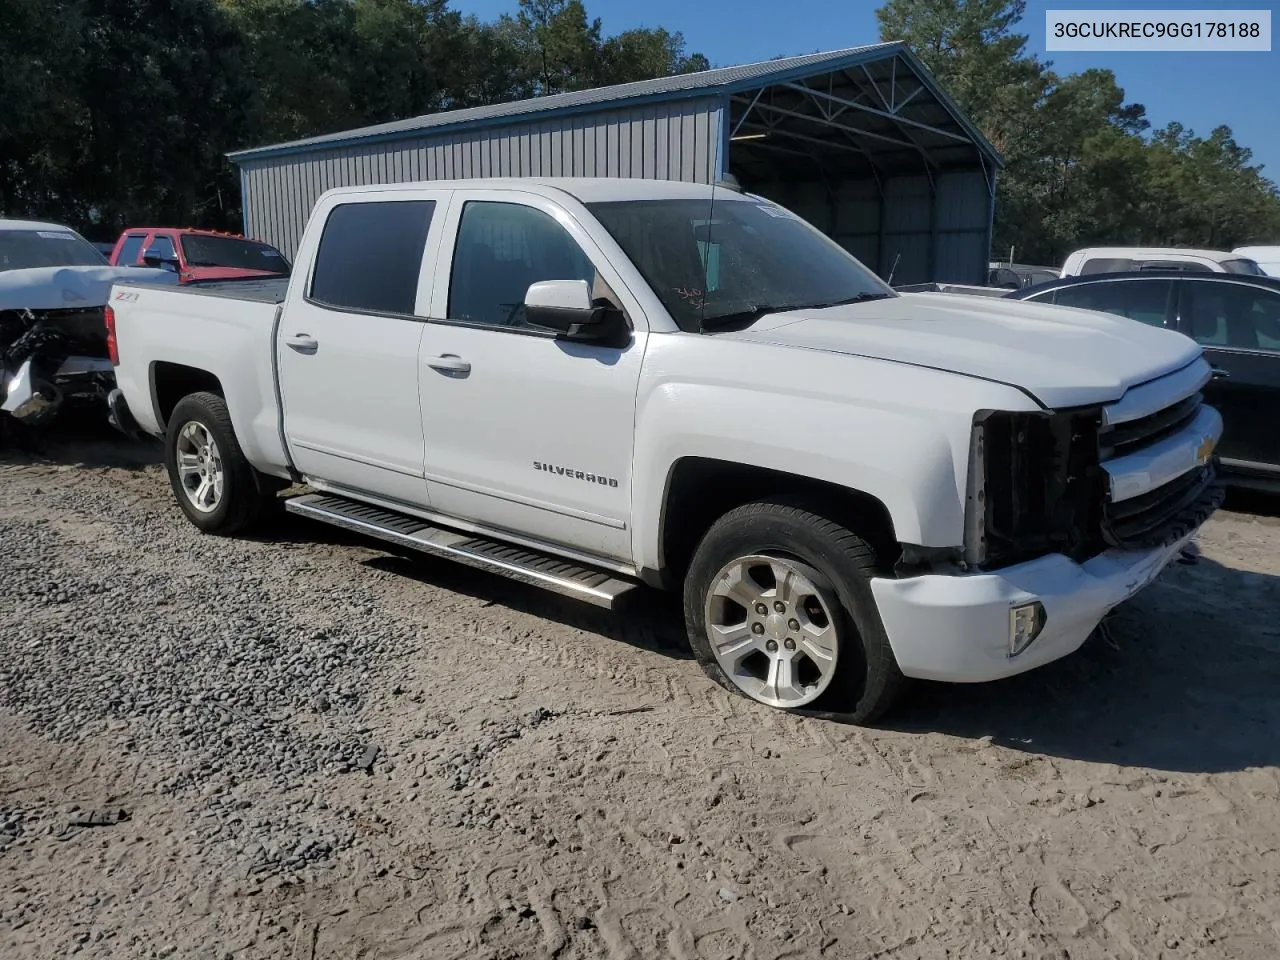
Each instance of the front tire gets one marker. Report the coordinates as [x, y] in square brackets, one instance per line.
[779, 609]
[214, 484]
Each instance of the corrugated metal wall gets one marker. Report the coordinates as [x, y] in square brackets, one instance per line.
[942, 237]
[676, 140]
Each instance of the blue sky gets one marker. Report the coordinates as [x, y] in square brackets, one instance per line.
[1200, 90]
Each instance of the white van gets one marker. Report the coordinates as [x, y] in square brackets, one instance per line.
[1123, 259]
[1267, 258]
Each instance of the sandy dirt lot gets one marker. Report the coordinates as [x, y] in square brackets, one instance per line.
[187, 768]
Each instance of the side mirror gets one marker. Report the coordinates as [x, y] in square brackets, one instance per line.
[566, 307]
[166, 261]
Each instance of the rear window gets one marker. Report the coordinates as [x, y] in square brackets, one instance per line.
[1243, 265]
[370, 256]
[207, 251]
[25, 249]
[1186, 266]
[1106, 265]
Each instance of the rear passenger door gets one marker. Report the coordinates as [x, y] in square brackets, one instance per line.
[347, 345]
[1238, 324]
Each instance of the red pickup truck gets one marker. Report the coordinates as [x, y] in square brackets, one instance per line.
[198, 254]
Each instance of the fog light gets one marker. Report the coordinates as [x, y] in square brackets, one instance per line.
[1025, 623]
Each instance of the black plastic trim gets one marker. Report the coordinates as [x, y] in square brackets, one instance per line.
[1164, 515]
[120, 417]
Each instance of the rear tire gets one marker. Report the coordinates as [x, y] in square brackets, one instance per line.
[775, 581]
[215, 485]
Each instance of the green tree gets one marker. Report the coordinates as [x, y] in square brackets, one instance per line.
[1223, 198]
[299, 60]
[642, 54]
[562, 45]
[41, 116]
[119, 112]
[496, 63]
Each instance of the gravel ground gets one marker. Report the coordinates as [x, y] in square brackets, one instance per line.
[303, 746]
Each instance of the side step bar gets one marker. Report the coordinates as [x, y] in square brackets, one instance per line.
[600, 587]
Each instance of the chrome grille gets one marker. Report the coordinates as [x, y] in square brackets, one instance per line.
[1123, 438]
[1164, 515]
[1167, 513]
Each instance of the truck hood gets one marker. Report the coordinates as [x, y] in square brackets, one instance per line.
[1062, 356]
[65, 288]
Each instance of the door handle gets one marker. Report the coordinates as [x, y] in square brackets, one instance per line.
[449, 363]
[1219, 373]
[302, 343]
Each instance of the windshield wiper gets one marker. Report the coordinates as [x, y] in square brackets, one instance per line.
[749, 315]
[756, 311]
[863, 297]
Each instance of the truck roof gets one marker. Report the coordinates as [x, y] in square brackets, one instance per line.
[1142, 252]
[33, 225]
[196, 231]
[585, 189]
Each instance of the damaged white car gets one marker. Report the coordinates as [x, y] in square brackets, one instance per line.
[53, 340]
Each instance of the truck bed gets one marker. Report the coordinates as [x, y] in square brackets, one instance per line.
[224, 328]
[270, 290]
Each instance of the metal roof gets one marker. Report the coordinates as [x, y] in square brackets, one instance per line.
[722, 80]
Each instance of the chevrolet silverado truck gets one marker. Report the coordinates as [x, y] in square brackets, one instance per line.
[598, 384]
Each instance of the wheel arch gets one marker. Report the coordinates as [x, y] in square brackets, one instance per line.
[170, 382]
[700, 490]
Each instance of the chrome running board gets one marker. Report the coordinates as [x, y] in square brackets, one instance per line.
[545, 570]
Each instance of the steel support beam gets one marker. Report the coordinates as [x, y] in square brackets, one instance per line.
[746, 113]
[823, 121]
[888, 115]
[852, 146]
[814, 140]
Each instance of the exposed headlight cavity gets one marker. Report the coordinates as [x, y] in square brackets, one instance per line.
[1033, 487]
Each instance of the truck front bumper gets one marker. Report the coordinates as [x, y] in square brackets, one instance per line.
[957, 628]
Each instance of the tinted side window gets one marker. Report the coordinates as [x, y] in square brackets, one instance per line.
[1233, 315]
[370, 256]
[502, 248]
[161, 247]
[1102, 265]
[130, 249]
[1188, 266]
[1146, 301]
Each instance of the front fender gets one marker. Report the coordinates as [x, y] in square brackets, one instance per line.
[894, 432]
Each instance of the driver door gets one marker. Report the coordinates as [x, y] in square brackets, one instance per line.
[525, 431]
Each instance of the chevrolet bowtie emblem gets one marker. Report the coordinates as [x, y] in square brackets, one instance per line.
[1205, 450]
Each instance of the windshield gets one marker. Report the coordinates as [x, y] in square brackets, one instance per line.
[753, 258]
[208, 251]
[25, 249]
[1243, 266]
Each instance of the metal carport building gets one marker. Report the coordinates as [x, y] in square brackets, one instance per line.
[861, 142]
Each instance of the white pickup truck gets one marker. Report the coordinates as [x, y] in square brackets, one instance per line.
[596, 384]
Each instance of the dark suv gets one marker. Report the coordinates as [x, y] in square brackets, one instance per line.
[1235, 317]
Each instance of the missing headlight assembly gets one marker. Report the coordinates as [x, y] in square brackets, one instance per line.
[1035, 487]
